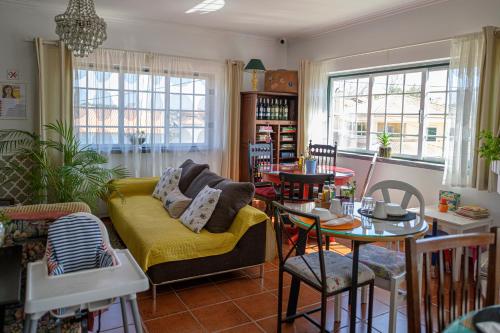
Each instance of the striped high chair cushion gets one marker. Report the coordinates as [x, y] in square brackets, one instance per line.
[75, 242]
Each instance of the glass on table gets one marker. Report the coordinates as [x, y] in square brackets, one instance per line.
[367, 204]
[348, 208]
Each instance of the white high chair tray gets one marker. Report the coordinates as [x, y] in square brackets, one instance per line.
[44, 293]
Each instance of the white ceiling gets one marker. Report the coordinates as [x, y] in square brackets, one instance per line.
[274, 18]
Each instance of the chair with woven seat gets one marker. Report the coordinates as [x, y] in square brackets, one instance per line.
[388, 263]
[260, 156]
[450, 297]
[325, 154]
[325, 271]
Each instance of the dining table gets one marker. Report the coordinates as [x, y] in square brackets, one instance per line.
[362, 230]
[271, 172]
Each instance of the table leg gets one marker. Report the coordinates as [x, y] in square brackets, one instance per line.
[123, 305]
[354, 286]
[135, 313]
[33, 324]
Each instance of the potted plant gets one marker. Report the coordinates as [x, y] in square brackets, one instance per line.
[348, 191]
[310, 162]
[384, 140]
[490, 150]
[60, 168]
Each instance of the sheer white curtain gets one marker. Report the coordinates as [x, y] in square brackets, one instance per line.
[146, 111]
[314, 110]
[464, 81]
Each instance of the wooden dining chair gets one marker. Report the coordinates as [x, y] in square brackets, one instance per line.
[388, 262]
[325, 271]
[445, 300]
[260, 155]
[302, 187]
[325, 154]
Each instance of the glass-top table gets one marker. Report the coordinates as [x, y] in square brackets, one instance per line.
[368, 230]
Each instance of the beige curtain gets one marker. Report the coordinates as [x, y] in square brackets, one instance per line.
[488, 117]
[231, 156]
[304, 84]
[55, 78]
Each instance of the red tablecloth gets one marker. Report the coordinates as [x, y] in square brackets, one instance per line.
[271, 173]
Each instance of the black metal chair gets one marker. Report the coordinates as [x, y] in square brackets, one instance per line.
[325, 271]
[326, 154]
[260, 156]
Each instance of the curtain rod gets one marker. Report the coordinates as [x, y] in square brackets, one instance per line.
[56, 42]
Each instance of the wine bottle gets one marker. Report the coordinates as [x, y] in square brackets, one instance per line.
[285, 111]
[259, 105]
[280, 109]
[268, 109]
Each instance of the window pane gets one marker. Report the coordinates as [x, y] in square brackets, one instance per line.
[350, 105]
[410, 125]
[451, 106]
[174, 135]
[111, 98]
[175, 85]
[187, 86]
[362, 104]
[144, 118]
[145, 100]
[130, 99]
[436, 123]
[435, 103]
[110, 135]
[94, 117]
[411, 104]
[350, 87]
[111, 117]
[159, 82]
[95, 79]
[410, 145]
[186, 135]
[80, 79]
[377, 123]
[395, 104]
[81, 96]
[145, 82]
[159, 101]
[199, 87]
[395, 84]
[363, 85]
[186, 119]
[338, 88]
[199, 119]
[378, 104]
[174, 119]
[80, 118]
[175, 102]
[159, 118]
[413, 82]
[433, 147]
[379, 84]
[95, 97]
[199, 135]
[130, 81]
[338, 105]
[199, 103]
[187, 102]
[437, 80]
[111, 80]
[393, 124]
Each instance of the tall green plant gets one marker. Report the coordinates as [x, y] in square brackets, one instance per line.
[384, 139]
[490, 146]
[61, 168]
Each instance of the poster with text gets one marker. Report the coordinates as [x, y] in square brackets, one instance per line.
[12, 101]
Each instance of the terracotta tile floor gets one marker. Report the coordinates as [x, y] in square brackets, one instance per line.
[240, 302]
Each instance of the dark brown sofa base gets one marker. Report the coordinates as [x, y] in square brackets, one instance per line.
[249, 251]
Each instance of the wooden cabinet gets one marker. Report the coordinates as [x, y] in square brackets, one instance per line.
[257, 126]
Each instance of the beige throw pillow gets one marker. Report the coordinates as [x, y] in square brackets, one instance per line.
[176, 203]
[169, 180]
[200, 210]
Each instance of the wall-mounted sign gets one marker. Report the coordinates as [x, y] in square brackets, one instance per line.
[12, 100]
[12, 74]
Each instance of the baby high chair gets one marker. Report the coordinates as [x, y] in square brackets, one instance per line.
[81, 273]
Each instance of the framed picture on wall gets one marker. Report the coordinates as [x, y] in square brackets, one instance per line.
[12, 100]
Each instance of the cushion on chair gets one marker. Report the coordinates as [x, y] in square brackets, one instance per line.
[267, 192]
[338, 270]
[233, 197]
[385, 263]
[190, 170]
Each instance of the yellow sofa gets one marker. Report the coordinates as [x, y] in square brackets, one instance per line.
[167, 250]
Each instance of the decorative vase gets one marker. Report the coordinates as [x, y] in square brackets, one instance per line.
[384, 151]
[311, 166]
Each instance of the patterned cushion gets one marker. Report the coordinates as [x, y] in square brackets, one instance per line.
[267, 192]
[384, 262]
[338, 270]
[169, 180]
[176, 203]
[200, 210]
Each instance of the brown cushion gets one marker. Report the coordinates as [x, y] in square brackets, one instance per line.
[234, 196]
[206, 177]
[190, 171]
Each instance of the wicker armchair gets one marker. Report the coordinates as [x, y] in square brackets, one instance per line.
[29, 228]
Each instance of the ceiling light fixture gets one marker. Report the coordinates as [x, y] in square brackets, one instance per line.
[207, 6]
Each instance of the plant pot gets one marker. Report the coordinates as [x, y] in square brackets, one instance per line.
[384, 151]
[311, 166]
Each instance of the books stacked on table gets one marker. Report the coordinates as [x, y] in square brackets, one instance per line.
[473, 212]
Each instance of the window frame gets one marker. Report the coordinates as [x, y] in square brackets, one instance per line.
[424, 68]
[164, 146]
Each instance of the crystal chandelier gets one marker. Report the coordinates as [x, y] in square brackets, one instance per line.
[80, 28]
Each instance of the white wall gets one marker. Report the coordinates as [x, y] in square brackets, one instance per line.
[420, 26]
[19, 24]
